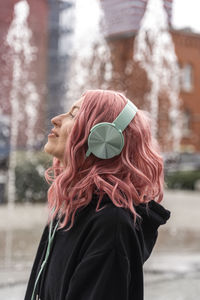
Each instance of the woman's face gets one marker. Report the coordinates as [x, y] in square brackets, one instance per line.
[62, 126]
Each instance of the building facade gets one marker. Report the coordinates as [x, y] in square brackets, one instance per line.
[187, 46]
[130, 78]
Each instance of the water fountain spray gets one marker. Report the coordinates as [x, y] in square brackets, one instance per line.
[22, 54]
[91, 55]
[154, 50]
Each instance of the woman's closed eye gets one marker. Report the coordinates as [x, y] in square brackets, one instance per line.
[71, 115]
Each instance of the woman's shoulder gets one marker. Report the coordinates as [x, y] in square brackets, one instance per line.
[111, 219]
[109, 214]
[153, 211]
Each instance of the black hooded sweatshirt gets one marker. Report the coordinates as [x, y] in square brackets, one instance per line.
[101, 257]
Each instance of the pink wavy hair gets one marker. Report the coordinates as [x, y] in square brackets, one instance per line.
[134, 176]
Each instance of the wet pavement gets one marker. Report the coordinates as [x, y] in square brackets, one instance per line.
[172, 271]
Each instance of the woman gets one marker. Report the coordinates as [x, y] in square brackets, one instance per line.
[104, 211]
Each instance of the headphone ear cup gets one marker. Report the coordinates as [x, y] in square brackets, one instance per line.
[105, 140]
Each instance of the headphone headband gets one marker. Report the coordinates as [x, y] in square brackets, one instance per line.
[125, 116]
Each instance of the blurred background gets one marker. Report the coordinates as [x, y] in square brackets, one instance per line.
[51, 51]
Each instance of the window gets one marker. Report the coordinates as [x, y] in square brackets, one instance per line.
[186, 124]
[186, 78]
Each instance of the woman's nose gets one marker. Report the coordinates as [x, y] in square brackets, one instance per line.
[56, 121]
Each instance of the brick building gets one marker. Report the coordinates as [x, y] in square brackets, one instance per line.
[129, 77]
[187, 46]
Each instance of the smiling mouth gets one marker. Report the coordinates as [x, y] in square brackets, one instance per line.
[53, 134]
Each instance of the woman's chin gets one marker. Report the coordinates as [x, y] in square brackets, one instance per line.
[47, 149]
[51, 150]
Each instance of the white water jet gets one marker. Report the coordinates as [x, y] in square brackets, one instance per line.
[90, 51]
[22, 54]
[154, 50]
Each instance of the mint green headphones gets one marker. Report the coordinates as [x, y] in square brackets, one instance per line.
[106, 139]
